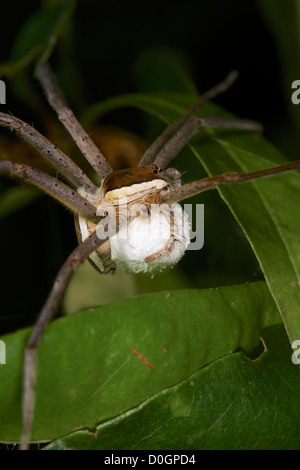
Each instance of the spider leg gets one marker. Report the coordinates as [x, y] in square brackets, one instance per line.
[196, 187]
[186, 127]
[66, 167]
[68, 119]
[74, 260]
[170, 131]
[55, 188]
[183, 135]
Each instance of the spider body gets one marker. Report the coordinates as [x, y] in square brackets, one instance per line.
[158, 235]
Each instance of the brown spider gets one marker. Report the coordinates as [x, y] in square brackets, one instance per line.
[142, 187]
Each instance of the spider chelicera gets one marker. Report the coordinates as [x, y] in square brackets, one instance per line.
[151, 189]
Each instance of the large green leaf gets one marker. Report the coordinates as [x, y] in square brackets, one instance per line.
[254, 406]
[88, 373]
[266, 209]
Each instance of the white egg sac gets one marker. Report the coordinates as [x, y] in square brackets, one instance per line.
[153, 241]
[156, 238]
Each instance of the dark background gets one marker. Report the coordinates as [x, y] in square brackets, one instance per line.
[109, 36]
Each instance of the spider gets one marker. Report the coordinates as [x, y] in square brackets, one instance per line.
[129, 198]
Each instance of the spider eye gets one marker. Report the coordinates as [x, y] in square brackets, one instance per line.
[155, 172]
[160, 170]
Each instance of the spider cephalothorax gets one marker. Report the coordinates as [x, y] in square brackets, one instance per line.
[157, 236]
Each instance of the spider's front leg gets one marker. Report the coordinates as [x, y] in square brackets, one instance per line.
[74, 260]
[212, 182]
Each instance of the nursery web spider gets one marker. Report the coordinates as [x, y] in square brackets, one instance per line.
[149, 183]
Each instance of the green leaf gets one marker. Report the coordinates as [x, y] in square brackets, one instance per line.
[254, 406]
[88, 371]
[265, 209]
